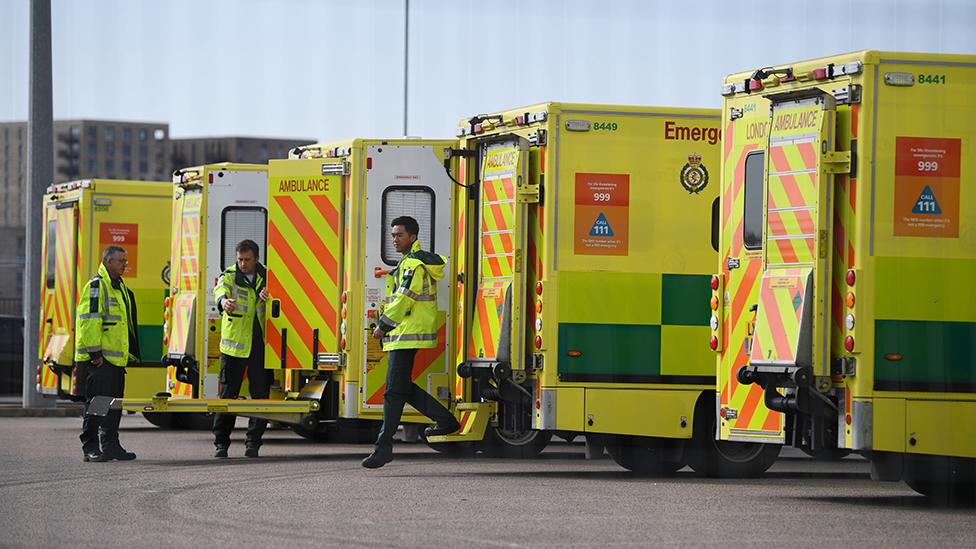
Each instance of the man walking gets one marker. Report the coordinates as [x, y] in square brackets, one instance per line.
[240, 294]
[408, 323]
[106, 341]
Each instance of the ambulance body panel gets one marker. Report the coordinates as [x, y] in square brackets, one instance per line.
[81, 219]
[846, 282]
[587, 248]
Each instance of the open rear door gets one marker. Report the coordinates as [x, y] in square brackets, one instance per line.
[305, 201]
[59, 288]
[497, 335]
[793, 296]
[185, 281]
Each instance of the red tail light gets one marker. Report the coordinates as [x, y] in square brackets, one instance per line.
[714, 282]
[849, 344]
[538, 342]
[713, 343]
[538, 288]
[850, 277]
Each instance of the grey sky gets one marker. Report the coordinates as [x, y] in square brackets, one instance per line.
[332, 69]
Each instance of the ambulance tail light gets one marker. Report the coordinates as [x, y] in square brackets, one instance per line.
[538, 288]
[538, 342]
[342, 344]
[851, 278]
[344, 297]
[849, 344]
[166, 302]
[717, 304]
[165, 340]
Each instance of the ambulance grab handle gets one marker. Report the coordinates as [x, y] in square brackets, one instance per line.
[275, 308]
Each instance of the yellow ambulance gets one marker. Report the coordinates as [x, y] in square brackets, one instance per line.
[81, 219]
[842, 313]
[584, 258]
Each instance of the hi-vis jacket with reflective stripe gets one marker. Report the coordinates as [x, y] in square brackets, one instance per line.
[409, 318]
[106, 321]
[237, 328]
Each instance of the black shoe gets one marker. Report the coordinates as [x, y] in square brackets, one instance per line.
[441, 430]
[220, 453]
[120, 454]
[96, 457]
[251, 452]
[377, 460]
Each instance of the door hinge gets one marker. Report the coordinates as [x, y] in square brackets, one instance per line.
[537, 138]
[735, 114]
[836, 162]
[527, 194]
[848, 95]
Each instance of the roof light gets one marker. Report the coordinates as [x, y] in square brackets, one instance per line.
[478, 128]
[520, 119]
[755, 85]
[819, 74]
[727, 90]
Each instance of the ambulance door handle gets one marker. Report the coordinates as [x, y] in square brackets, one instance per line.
[275, 308]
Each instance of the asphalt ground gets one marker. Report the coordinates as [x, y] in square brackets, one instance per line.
[302, 494]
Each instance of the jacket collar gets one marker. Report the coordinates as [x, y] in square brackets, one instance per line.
[103, 273]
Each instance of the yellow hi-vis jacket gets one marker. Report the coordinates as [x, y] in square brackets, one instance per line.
[409, 319]
[237, 328]
[105, 325]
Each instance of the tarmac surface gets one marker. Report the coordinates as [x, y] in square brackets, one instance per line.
[306, 494]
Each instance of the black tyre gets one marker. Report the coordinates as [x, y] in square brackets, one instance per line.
[320, 433]
[193, 421]
[645, 455]
[526, 444]
[162, 420]
[945, 480]
[722, 458]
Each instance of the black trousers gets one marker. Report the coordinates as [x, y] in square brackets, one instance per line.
[401, 390]
[231, 376]
[100, 433]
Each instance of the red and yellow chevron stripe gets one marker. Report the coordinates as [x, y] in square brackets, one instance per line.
[190, 243]
[791, 196]
[304, 255]
[782, 294]
[426, 361]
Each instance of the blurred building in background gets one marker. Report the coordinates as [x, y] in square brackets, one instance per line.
[113, 149]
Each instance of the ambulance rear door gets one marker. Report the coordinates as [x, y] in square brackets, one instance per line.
[405, 180]
[59, 279]
[304, 256]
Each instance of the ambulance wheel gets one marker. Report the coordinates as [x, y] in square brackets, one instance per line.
[319, 433]
[194, 421]
[943, 479]
[162, 420]
[501, 443]
[356, 431]
[723, 458]
[645, 455]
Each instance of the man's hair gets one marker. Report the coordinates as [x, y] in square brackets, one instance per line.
[408, 223]
[247, 246]
[110, 251]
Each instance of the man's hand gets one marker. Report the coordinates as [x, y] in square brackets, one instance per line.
[378, 334]
[229, 305]
[97, 361]
[264, 294]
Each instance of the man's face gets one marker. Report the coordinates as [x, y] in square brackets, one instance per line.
[246, 261]
[116, 264]
[401, 240]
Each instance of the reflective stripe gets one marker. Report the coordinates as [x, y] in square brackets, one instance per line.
[90, 315]
[232, 344]
[93, 292]
[112, 301]
[416, 297]
[113, 317]
[388, 321]
[115, 354]
[243, 308]
[93, 349]
[410, 337]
